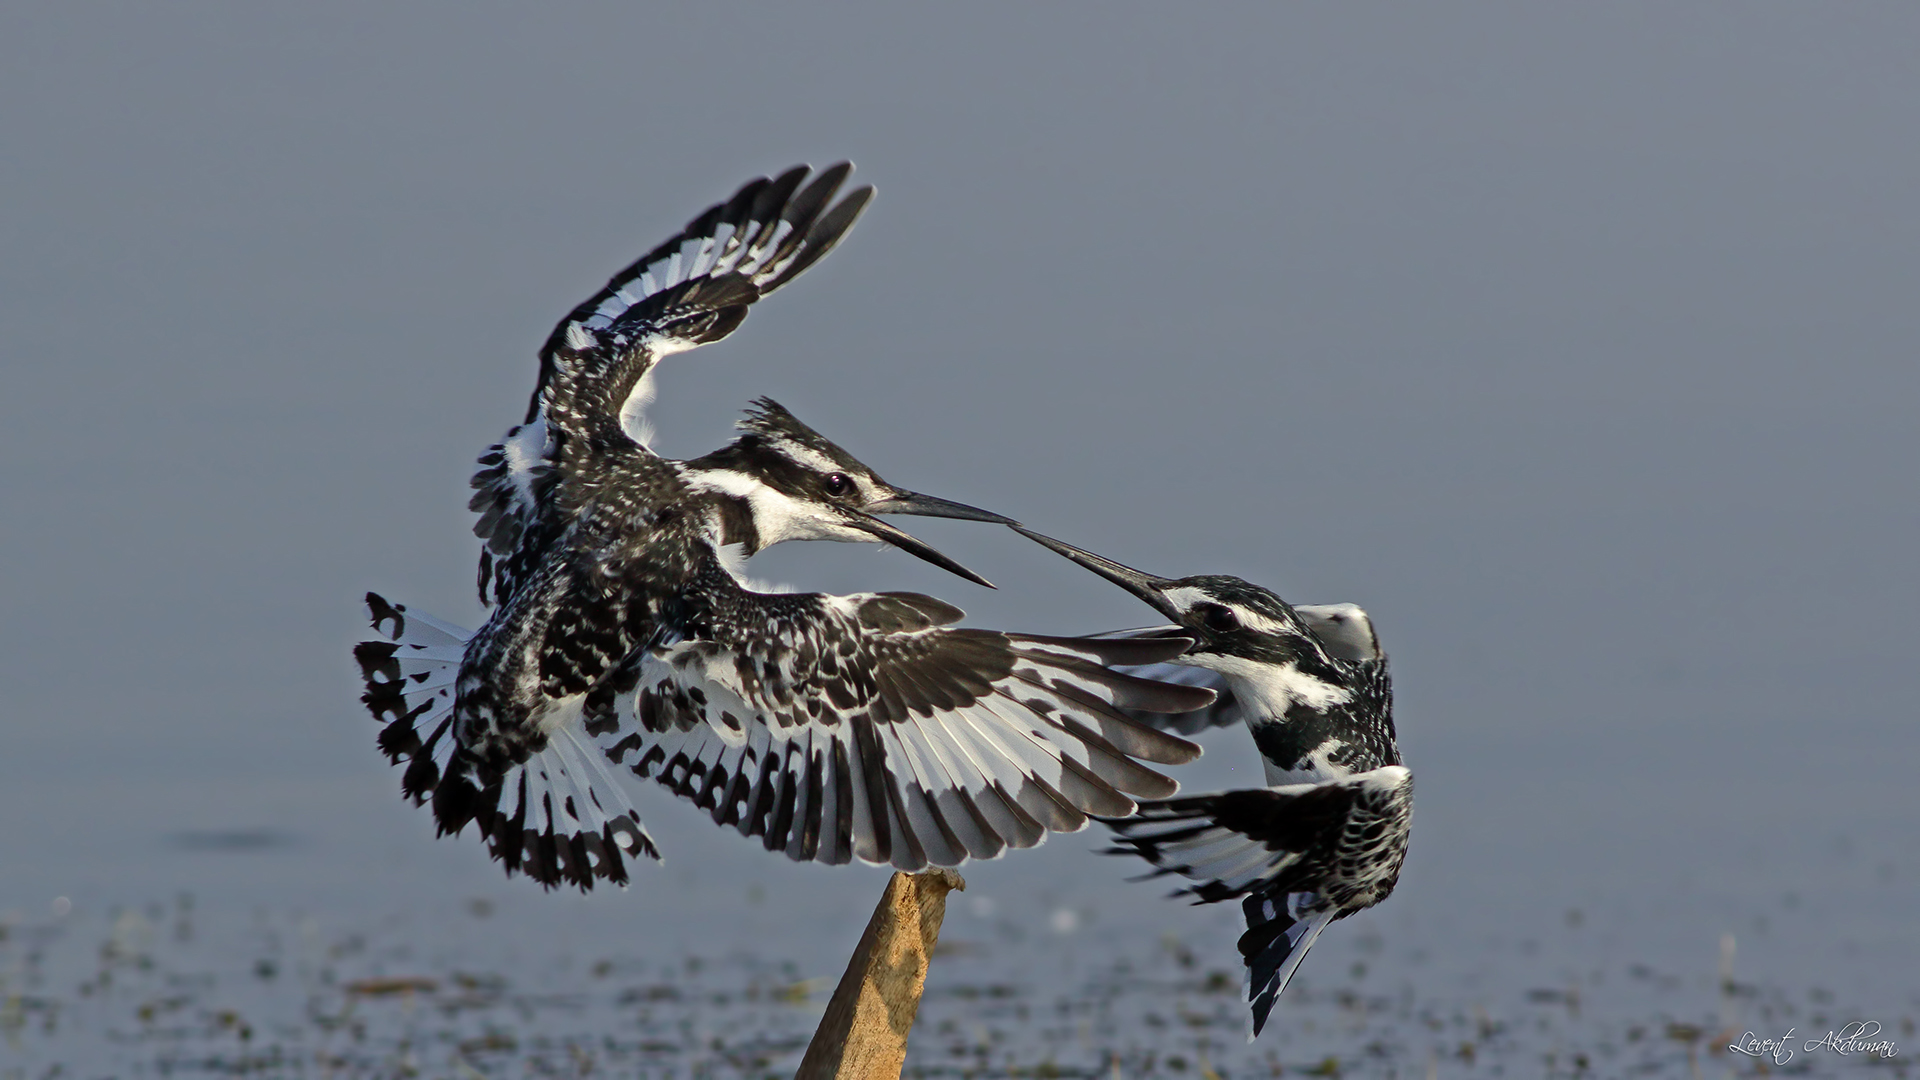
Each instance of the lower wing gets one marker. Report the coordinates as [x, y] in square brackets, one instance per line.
[862, 727]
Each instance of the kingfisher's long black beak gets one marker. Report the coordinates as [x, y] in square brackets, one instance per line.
[912, 502]
[911, 544]
[1145, 586]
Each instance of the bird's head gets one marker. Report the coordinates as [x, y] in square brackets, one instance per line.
[1238, 626]
[782, 480]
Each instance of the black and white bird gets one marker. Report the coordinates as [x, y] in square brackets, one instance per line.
[832, 727]
[1326, 838]
[597, 367]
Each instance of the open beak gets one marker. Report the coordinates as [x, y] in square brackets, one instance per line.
[912, 545]
[1145, 586]
[912, 502]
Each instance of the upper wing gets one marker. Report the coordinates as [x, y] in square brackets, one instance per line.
[858, 726]
[691, 290]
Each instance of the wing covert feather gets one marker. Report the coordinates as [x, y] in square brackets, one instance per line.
[918, 744]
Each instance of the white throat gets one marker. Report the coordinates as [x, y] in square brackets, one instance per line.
[777, 516]
[1270, 690]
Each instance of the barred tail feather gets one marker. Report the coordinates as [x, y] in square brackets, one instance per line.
[559, 816]
[1273, 946]
[409, 688]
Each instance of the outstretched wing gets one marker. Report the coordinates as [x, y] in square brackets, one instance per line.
[1224, 712]
[1237, 842]
[1345, 629]
[842, 727]
[1297, 857]
[691, 290]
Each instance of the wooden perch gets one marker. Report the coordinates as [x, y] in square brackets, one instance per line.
[863, 1036]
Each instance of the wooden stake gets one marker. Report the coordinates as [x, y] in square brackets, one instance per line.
[863, 1036]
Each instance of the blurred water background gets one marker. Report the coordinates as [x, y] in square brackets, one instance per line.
[1577, 344]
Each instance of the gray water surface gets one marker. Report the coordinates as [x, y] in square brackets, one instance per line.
[1578, 345]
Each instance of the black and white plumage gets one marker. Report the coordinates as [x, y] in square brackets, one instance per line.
[1296, 856]
[1347, 634]
[781, 480]
[833, 727]
[1329, 834]
[596, 367]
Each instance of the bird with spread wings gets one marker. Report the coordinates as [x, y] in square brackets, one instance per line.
[622, 639]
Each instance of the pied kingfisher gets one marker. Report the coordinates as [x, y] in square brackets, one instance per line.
[833, 727]
[1328, 836]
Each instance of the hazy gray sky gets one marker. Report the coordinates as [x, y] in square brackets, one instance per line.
[1576, 343]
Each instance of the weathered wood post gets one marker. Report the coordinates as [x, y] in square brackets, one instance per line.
[863, 1035]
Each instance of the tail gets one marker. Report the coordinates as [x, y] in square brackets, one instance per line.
[556, 814]
[1280, 930]
[409, 679]
[1275, 849]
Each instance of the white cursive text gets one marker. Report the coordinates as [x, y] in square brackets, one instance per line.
[1855, 1038]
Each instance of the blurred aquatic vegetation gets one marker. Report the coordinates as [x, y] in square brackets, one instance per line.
[176, 991]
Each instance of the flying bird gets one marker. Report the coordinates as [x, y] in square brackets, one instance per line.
[832, 727]
[1326, 838]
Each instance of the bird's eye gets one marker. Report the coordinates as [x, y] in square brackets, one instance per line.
[839, 484]
[1220, 620]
